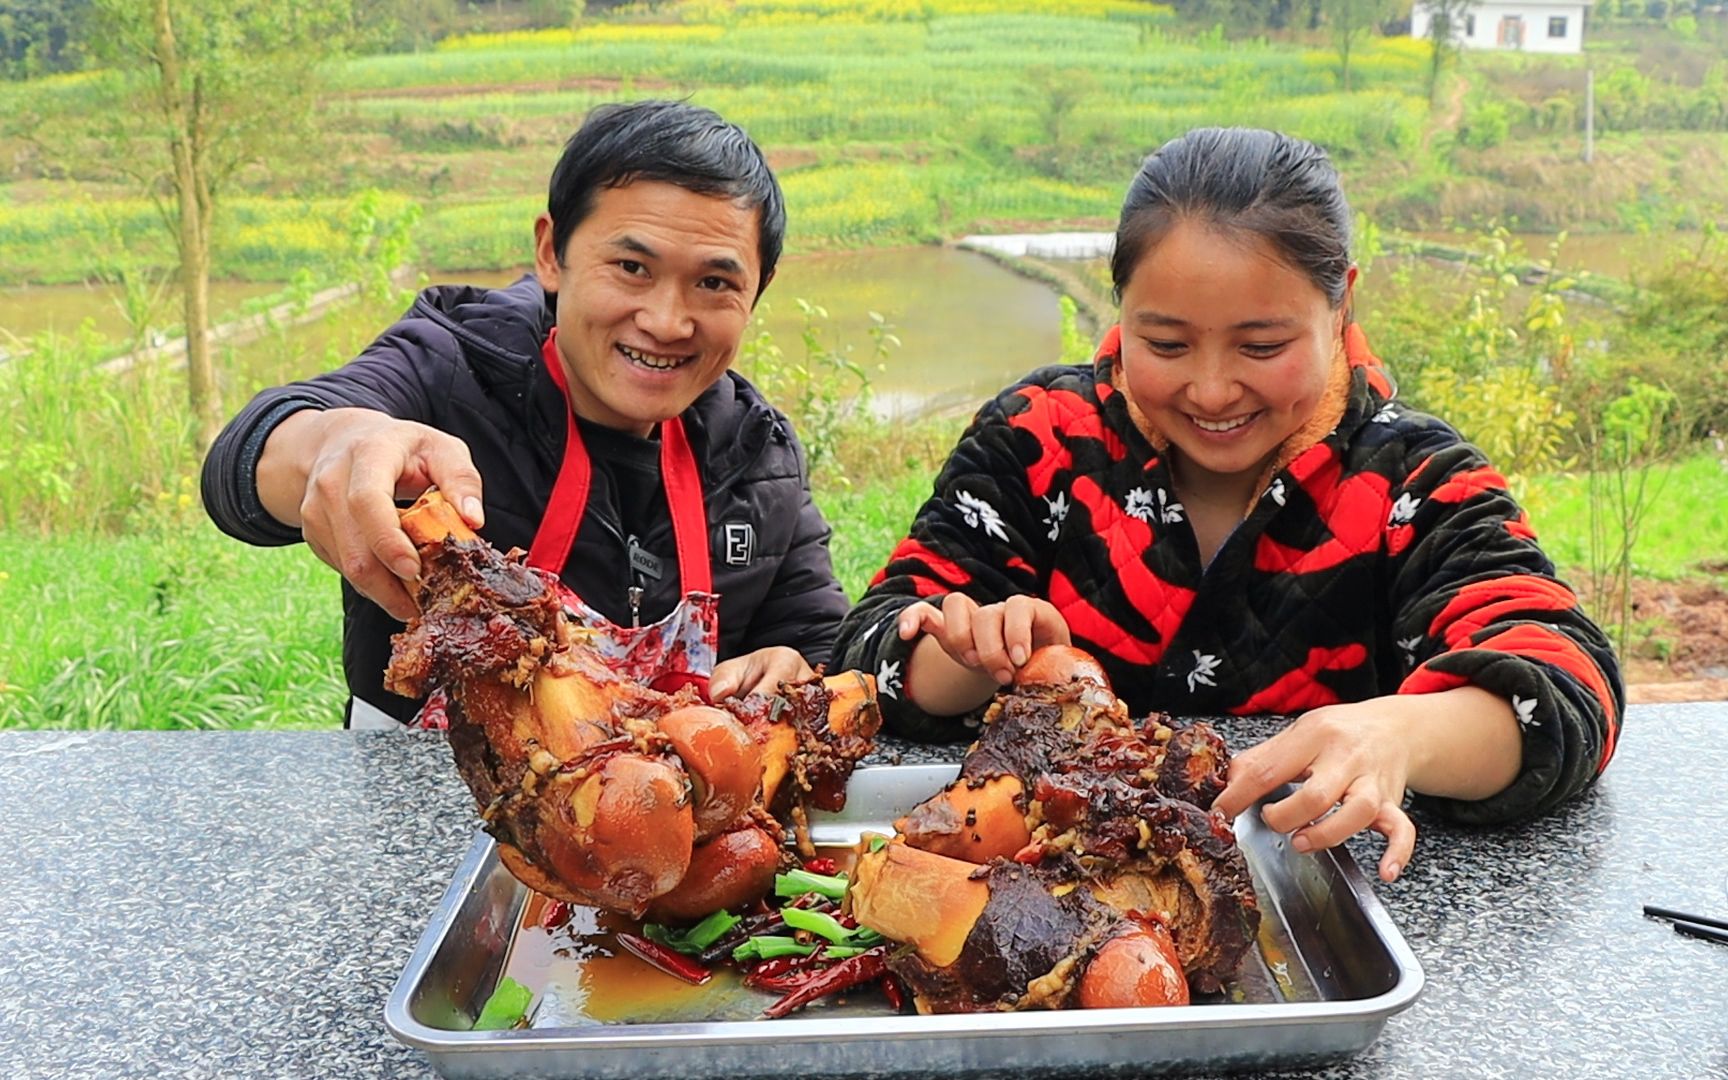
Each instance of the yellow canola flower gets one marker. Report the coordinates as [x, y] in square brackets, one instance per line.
[760, 12]
[591, 34]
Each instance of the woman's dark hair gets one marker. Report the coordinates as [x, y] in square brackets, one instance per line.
[670, 141]
[1241, 180]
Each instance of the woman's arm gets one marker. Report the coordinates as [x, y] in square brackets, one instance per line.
[979, 538]
[1511, 699]
[1356, 760]
[1476, 603]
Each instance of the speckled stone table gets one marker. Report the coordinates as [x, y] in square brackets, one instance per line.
[240, 905]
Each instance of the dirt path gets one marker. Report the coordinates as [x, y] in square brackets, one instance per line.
[1679, 644]
[1689, 690]
[1448, 117]
[247, 329]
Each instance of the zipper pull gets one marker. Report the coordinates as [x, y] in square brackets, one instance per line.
[635, 594]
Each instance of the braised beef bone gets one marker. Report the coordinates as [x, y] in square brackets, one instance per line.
[1073, 809]
[600, 791]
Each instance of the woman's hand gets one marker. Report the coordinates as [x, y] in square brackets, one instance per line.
[1353, 762]
[968, 649]
[995, 639]
[761, 671]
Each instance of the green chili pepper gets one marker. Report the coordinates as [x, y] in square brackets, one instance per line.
[694, 940]
[506, 1008]
[709, 930]
[768, 946]
[816, 922]
[799, 882]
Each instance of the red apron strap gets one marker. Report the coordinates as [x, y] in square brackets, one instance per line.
[557, 532]
[689, 520]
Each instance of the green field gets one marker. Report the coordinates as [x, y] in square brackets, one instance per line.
[889, 122]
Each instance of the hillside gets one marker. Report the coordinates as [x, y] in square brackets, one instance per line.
[898, 122]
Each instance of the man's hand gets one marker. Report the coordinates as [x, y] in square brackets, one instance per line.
[759, 672]
[337, 475]
[995, 639]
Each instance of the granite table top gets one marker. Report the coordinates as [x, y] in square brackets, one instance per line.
[240, 904]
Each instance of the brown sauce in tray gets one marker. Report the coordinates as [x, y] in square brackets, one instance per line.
[581, 976]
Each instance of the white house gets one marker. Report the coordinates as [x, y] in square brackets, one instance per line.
[1553, 26]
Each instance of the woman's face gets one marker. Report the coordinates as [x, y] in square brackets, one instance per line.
[1225, 348]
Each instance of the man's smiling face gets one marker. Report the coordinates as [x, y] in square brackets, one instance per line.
[655, 291]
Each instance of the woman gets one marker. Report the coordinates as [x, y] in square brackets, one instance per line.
[1232, 514]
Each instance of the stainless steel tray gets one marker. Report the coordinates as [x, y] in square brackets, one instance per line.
[1328, 970]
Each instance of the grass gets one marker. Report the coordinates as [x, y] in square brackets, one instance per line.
[82, 450]
[1684, 532]
[185, 628]
[124, 609]
[868, 521]
[1059, 100]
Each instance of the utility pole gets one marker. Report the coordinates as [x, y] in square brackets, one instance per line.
[1589, 115]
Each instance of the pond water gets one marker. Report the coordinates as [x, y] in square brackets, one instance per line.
[968, 326]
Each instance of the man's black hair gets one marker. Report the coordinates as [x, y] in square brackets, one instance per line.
[673, 142]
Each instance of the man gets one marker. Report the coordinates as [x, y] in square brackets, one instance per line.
[586, 414]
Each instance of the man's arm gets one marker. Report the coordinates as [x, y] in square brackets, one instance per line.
[325, 459]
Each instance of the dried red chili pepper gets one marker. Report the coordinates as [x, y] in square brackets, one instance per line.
[843, 975]
[781, 965]
[891, 990]
[821, 865]
[782, 984]
[557, 913]
[675, 964]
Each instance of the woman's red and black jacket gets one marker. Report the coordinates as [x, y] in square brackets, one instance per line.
[1387, 557]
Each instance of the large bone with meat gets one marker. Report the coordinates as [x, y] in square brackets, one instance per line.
[1062, 784]
[600, 791]
[1009, 936]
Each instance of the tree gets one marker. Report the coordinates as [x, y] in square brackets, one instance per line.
[195, 92]
[38, 37]
[1348, 21]
[1445, 27]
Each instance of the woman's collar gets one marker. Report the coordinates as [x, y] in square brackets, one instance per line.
[1351, 355]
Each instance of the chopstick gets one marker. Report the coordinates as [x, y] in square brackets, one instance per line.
[1683, 917]
[1708, 933]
